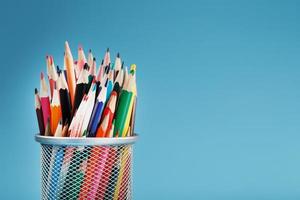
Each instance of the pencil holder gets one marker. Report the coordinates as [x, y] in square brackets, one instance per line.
[86, 168]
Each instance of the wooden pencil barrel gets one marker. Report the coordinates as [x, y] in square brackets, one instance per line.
[86, 168]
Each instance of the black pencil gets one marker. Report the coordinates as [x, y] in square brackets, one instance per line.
[39, 112]
[81, 88]
[64, 95]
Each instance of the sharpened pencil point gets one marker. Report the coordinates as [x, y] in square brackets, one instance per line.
[86, 66]
[58, 70]
[90, 50]
[94, 59]
[118, 55]
[122, 66]
[102, 62]
[107, 50]
[35, 91]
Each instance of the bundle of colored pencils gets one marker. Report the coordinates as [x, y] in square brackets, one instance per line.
[83, 102]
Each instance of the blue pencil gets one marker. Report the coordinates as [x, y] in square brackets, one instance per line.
[97, 112]
[110, 84]
[58, 152]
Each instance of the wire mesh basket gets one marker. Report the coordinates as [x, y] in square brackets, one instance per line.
[86, 168]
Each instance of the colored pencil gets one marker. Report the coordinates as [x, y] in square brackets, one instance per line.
[110, 110]
[55, 111]
[58, 131]
[39, 112]
[122, 174]
[107, 58]
[124, 108]
[52, 74]
[97, 112]
[70, 72]
[89, 109]
[100, 72]
[45, 102]
[91, 58]
[65, 128]
[118, 65]
[119, 82]
[110, 84]
[47, 128]
[81, 58]
[64, 98]
[81, 89]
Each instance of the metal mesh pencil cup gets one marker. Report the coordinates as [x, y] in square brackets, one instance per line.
[86, 168]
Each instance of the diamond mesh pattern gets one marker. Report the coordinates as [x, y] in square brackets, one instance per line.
[86, 172]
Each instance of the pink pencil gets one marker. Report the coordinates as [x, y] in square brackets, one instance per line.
[45, 103]
[98, 174]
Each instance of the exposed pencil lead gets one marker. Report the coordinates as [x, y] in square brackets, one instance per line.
[106, 83]
[118, 55]
[35, 90]
[94, 59]
[102, 62]
[90, 50]
[122, 66]
[86, 66]
[107, 50]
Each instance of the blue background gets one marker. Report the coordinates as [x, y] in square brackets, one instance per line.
[218, 84]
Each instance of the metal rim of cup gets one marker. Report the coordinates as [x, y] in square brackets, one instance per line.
[87, 141]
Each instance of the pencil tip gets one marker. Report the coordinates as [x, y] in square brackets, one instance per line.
[66, 44]
[35, 90]
[122, 66]
[94, 59]
[58, 70]
[90, 50]
[86, 66]
[107, 50]
[118, 55]
[102, 62]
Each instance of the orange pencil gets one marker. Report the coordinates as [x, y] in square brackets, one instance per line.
[55, 111]
[70, 72]
[101, 132]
